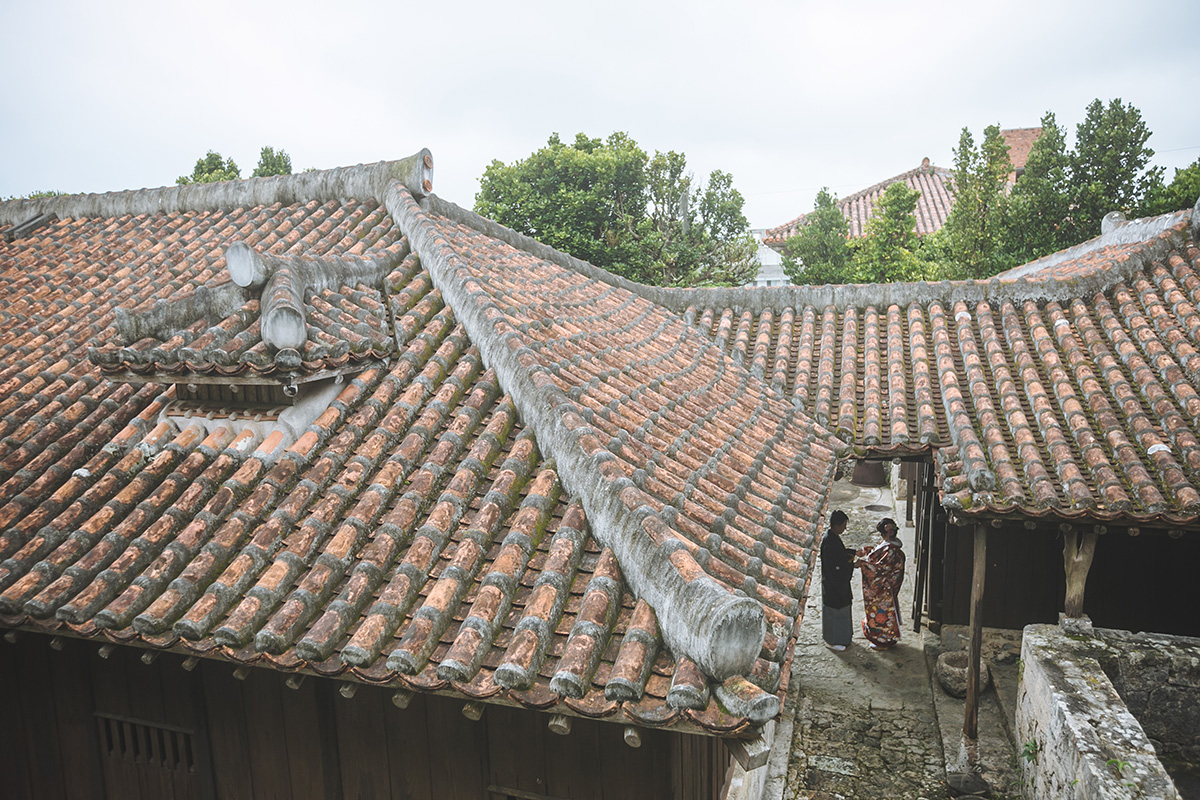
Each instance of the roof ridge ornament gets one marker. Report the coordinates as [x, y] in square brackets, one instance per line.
[284, 282]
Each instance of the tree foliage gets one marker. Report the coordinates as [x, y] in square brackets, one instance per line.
[214, 167]
[819, 252]
[1040, 200]
[890, 249]
[1182, 192]
[1062, 195]
[35, 194]
[210, 169]
[975, 228]
[273, 162]
[1109, 167]
[608, 203]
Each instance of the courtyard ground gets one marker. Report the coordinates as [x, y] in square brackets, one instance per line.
[874, 724]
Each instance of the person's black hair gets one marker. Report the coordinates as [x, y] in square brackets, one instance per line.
[838, 516]
[883, 523]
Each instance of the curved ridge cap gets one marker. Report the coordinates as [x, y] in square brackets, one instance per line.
[362, 182]
[166, 316]
[721, 632]
[667, 298]
[1117, 232]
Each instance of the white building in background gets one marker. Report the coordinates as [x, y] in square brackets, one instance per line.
[771, 272]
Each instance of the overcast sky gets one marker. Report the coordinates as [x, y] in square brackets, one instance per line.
[788, 97]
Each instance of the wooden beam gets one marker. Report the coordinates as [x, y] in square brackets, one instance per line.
[750, 753]
[1077, 560]
[978, 570]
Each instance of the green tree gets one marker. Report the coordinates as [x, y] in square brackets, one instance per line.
[36, 194]
[210, 169]
[819, 252]
[575, 198]
[272, 162]
[976, 226]
[608, 203]
[1182, 192]
[890, 250]
[1109, 168]
[1035, 224]
[691, 241]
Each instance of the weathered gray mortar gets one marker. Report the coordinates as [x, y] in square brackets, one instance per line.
[362, 182]
[721, 632]
[757, 299]
[1075, 728]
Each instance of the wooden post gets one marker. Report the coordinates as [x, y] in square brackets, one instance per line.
[971, 717]
[922, 557]
[1077, 560]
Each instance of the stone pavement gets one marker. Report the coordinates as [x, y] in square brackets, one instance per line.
[872, 724]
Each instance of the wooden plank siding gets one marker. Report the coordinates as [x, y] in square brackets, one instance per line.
[1136, 583]
[75, 725]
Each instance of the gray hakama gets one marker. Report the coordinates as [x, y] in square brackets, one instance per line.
[837, 627]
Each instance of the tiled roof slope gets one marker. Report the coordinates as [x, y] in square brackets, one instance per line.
[540, 490]
[933, 206]
[1066, 388]
[221, 330]
[1020, 142]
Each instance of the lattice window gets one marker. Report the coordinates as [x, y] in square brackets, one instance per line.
[149, 743]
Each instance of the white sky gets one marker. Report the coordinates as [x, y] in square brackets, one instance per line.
[788, 97]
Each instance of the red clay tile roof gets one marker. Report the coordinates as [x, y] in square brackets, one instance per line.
[537, 487]
[933, 206]
[218, 332]
[1020, 142]
[1068, 388]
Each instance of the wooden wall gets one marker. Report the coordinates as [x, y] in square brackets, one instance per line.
[1025, 582]
[1137, 583]
[74, 725]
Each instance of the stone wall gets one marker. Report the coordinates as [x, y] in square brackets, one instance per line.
[1076, 736]
[1158, 677]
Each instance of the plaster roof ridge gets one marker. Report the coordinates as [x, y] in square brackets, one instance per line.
[362, 182]
[1115, 230]
[1153, 234]
[699, 619]
[668, 298]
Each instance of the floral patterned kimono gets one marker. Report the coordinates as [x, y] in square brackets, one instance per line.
[882, 573]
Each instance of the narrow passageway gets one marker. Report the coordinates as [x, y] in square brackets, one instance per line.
[865, 723]
[873, 724]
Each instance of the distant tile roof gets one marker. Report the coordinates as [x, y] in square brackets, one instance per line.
[1020, 142]
[1068, 388]
[524, 483]
[933, 206]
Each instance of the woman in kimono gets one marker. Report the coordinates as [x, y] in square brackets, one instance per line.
[882, 573]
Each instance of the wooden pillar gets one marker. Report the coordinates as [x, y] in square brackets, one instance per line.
[924, 522]
[979, 568]
[1077, 560]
